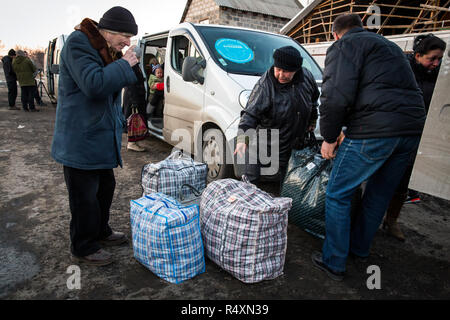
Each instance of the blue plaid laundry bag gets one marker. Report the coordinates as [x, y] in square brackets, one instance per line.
[172, 174]
[167, 238]
[244, 229]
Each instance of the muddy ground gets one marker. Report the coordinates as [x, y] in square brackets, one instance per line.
[34, 237]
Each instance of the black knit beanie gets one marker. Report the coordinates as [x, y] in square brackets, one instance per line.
[118, 19]
[287, 58]
[12, 53]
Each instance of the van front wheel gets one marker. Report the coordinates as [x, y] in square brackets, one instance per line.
[214, 155]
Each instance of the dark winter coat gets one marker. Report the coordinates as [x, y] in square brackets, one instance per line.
[426, 79]
[8, 69]
[134, 94]
[89, 118]
[290, 108]
[369, 87]
[24, 70]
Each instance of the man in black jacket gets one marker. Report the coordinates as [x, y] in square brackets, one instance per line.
[284, 99]
[11, 79]
[369, 88]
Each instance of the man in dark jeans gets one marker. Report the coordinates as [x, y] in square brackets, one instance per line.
[368, 87]
[88, 129]
[11, 79]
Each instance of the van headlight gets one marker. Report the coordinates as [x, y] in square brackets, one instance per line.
[243, 98]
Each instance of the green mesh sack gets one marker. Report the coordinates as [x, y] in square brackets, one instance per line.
[306, 182]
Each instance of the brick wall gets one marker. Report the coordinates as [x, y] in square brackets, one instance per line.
[200, 10]
[251, 20]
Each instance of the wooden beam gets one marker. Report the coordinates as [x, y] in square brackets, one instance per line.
[434, 8]
[387, 19]
[365, 14]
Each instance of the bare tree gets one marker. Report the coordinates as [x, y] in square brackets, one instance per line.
[2, 46]
[37, 55]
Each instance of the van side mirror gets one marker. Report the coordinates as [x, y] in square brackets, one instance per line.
[190, 69]
[54, 69]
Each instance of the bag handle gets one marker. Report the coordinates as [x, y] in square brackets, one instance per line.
[179, 155]
[311, 140]
[245, 179]
[193, 189]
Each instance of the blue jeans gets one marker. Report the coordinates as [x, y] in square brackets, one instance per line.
[382, 162]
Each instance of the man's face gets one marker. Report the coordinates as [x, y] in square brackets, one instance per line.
[117, 41]
[283, 76]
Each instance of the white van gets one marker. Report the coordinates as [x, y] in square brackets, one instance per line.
[209, 73]
[51, 65]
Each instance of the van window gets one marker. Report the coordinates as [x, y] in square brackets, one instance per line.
[182, 47]
[249, 52]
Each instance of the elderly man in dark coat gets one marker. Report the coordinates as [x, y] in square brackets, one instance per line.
[89, 125]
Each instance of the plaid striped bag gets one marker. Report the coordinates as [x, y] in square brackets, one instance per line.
[244, 229]
[169, 176]
[167, 238]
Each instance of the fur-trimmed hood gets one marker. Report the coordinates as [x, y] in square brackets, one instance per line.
[89, 27]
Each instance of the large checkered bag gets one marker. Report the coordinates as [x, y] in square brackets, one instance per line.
[167, 238]
[244, 229]
[169, 176]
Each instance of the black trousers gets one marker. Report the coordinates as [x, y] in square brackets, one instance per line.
[90, 197]
[37, 96]
[27, 96]
[12, 93]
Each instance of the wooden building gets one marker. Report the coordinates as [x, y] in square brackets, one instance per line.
[387, 17]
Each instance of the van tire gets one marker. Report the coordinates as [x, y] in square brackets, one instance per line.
[213, 154]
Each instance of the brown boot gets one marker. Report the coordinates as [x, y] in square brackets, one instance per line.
[390, 221]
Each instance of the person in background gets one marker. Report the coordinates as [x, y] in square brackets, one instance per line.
[368, 87]
[156, 89]
[285, 98]
[425, 62]
[11, 79]
[89, 124]
[25, 69]
[134, 98]
[37, 97]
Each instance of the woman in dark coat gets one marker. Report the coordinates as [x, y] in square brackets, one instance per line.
[425, 63]
[134, 97]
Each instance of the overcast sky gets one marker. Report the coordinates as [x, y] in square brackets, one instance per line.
[34, 23]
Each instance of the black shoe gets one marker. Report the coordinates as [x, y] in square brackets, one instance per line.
[35, 110]
[357, 258]
[318, 263]
[26, 110]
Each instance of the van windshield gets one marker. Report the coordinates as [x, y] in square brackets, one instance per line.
[249, 52]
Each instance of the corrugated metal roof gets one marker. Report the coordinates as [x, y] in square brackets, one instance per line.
[278, 8]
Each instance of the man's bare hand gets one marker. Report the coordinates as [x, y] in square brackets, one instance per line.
[130, 56]
[329, 150]
[240, 149]
[340, 138]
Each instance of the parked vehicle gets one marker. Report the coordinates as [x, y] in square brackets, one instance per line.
[209, 73]
[51, 64]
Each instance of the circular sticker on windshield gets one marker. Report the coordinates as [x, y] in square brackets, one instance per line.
[234, 50]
